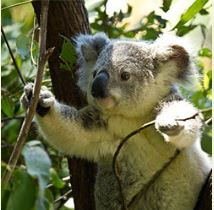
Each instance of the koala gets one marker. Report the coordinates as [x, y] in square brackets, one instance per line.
[128, 83]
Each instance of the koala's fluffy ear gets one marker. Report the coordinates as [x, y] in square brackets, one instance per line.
[90, 46]
[178, 50]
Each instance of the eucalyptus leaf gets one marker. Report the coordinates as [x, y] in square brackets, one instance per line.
[182, 30]
[23, 194]
[205, 52]
[206, 142]
[191, 12]
[56, 181]
[42, 202]
[23, 46]
[7, 105]
[166, 5]
[204, 12]
[38, 163]
[68, 54]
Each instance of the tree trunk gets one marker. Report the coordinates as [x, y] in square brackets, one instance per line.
[69, 18]
[205, 197]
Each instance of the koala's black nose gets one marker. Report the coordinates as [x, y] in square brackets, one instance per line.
[99, 85]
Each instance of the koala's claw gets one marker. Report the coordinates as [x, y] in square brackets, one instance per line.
[169, 127]
[170, 130]
[27, 95]
[46, 99]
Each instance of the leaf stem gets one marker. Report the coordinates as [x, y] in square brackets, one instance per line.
[15, 5]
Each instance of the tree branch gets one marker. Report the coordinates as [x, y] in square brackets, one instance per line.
[115, 163]
[43, 55]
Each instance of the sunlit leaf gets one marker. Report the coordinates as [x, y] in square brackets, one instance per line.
[205, 52]
[207, 82]
[56, 181]
[191, 12]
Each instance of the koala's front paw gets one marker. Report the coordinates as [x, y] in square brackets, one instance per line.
[170, 127]
[46, 99]
[27, 95]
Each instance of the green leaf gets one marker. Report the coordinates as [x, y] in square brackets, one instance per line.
[207, 81]
[23, 46]
[151, 34]
[56, 181]
[203, 12]
[7, 105]
[205, 52]
[5, 193]
[68, 54]
[166, 5]
[206, 142]
[10, 130]
[23, 194]
[151, 17]
[191, 12]
[38, 163]
[182, 30]
[42, 202]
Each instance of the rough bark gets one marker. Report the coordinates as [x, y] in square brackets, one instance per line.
[69, 18]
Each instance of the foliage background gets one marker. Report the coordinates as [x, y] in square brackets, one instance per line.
[41, 176]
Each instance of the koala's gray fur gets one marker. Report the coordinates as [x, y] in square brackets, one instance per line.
[129, 83]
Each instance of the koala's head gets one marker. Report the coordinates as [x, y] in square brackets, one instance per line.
[130, 77]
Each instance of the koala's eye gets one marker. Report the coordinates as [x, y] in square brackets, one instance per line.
[94, 74]
[125, 76]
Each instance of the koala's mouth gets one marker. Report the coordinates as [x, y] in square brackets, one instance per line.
[106, 103]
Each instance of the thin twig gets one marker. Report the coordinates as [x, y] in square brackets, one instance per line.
[206, 110]
[152, 180]
[32, 42]
[208, 121]
[188, 118]
[43, 55]
[15, 5]
[4, 144]
[115, 163]
[59, 202]
[64, 197]
[12, 118]
[12, 56]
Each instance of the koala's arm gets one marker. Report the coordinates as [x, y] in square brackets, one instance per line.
[76, 132]
[179, 122]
